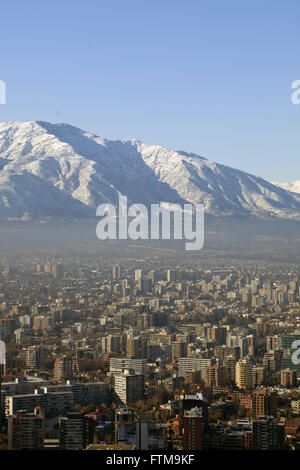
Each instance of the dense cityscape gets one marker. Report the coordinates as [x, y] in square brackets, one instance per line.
[149, 352]
[149, 232]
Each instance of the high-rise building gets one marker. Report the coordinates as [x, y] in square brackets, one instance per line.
[111, 344]
[34, 357]
[217, 334]
[116, 272]
[58, 271]
[259, 376]
[138, 274]
[153, 276]
[216, 376]
[125, 289]
[264, 403]
[47, 268]
[150, 435]
[144, 285]
[76, 431]
[272, 360]
[64, 368]
[193, 429]
[288, 378]
[40, 268]
[171, 275]
[129, 387]
[125, 426]
[268, 434]
[179, 349]
[198, 401]
[137, 347]
[120, 364]
[273, 342]
[243, 373]
[144, 321]
[26, 430]
[229, 364]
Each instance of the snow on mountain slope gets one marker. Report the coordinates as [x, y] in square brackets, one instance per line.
[294, 187]
[83, 168]
[224, 190]
[59, 170]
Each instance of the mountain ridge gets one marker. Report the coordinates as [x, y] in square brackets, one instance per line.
[293, 186]
[49, 170]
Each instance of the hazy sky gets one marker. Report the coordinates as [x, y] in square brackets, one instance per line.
[212, 77]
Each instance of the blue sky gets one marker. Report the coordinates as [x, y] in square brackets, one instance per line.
[210, 77]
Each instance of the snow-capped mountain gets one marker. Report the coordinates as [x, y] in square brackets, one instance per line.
[294, 186]
[60, 170]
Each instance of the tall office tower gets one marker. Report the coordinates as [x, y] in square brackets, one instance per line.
[179, 349]
[58, 271]
[153, 276]
[76, 431]
[193, 429]
[40, 268]
[125, 427]
[129, 387]
[171, 275]
[138, 274]
[150, 435]
[243, 344]
[259, 376]
[144, 285]
[229, 364]
[251, 345]
[111, 344]
[34, 357]
[116, 272]
[142, 435]
[137, 347]
[216, 376]
[288, 378]
[26, 430]
[189, 402]
[47, 268]
[217, 334]
[124, 287]
[243, 373]
[20, 334]
[64, 368]
[268, 434]
[272, 360]
[143, 321]
[264, 403]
